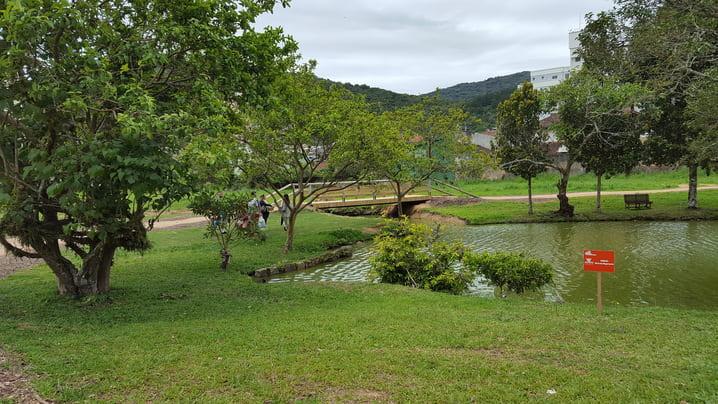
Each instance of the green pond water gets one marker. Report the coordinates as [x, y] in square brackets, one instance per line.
[669, 264]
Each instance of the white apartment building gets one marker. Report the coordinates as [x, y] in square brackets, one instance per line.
[550, 77]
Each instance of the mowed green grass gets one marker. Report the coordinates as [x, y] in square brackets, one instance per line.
[665, 206]
[177, 329]
[546, 183]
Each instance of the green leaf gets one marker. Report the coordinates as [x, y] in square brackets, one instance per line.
[55, 189]
[95, 171]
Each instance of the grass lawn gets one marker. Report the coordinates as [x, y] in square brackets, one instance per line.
[177, 329]
[546, 183]
[666, 206]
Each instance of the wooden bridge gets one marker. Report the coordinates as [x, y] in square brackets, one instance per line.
[365, 193]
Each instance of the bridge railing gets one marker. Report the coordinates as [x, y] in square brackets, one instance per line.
[371, 190]
[344, 191]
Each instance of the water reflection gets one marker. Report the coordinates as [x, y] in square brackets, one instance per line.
[672, 264]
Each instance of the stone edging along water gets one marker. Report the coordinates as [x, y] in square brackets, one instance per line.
[261, 275]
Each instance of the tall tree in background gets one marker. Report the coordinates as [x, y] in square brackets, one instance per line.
[422, 140]
[668, 45]
[702, 114]
[598, 123]
[99, 99]
[313, 134]
[520, 142]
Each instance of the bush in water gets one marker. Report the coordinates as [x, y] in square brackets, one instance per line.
[408, 254]
[516, 272]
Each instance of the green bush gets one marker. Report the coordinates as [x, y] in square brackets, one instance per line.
[229, 218]
[408, 254]
[516, 272]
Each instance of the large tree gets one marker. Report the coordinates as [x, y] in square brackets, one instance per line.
[520, 142]
[314, 136]
[597, 124]
[666, 45]
[99, 98]
[599, 120]
[702, 112]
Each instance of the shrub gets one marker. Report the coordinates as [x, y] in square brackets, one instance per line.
[229, 219]
[408, 254]
[516, 272]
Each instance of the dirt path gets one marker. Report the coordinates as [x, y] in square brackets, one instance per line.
[179, 222]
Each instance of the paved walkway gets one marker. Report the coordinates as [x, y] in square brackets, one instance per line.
[179, 222]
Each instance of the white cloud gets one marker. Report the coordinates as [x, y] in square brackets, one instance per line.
[415, 46]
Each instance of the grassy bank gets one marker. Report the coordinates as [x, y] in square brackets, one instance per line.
[176, 329]
[666, 206]
[546, 183]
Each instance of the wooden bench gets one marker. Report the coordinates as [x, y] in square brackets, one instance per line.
[637, 201]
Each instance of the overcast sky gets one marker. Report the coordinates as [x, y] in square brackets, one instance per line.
[415, 46]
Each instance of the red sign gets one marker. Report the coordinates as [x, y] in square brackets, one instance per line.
[598, 261]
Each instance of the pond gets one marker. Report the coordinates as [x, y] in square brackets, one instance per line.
[669, 264]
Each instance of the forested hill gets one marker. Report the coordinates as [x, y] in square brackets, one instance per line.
[467, 91]
[387, 100]
[479, 99]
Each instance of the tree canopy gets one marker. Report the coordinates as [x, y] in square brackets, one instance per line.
[313, 137]
[599, 122]
[100, 98]
[671, 47]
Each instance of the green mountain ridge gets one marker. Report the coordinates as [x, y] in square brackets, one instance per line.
[468, 91]
[479, 99]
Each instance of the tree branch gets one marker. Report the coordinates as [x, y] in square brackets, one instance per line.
[16, 251]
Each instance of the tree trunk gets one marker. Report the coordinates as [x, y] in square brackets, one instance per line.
[103, 272]
[598, 192]
[92, 279]
[399, 196]
[290, 232]
[64, 272]
[693, 186]
[531, 202]
[226, 258]
[399, 206]
[564, 208]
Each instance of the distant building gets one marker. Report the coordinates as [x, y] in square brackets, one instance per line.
[541, 79]
[545, 78]
[483, 139]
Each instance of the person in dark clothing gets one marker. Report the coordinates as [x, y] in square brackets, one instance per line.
[264, 207]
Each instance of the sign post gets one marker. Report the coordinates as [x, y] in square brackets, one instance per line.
[598, 261]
